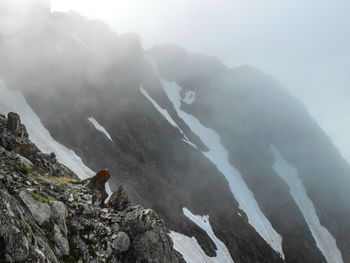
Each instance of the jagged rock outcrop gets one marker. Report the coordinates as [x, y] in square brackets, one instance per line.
[46, 218]
[14, 138]
[119, 199]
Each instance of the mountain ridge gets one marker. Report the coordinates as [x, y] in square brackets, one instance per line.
[87, 71]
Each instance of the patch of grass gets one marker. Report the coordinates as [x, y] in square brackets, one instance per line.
[42, 199]
[22, 222]
[53, 241]
[51, 199]
[62, 180]
[22, 227]
[24, 169]
[93, 241]
[39, 198]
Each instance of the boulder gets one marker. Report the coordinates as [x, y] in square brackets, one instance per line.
[62, 245]
[119, 200]
[41, 212]
[14, 125]
[154, 246]
[13, 122]
[121, 243]
[149, 240]
[59, 214]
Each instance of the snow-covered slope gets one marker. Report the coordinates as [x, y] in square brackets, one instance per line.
[100, 128]
[324, 240]
[14, 101]
[190, 248]
[218, 155]
[165, 115]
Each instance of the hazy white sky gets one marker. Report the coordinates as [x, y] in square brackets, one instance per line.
[302, 43]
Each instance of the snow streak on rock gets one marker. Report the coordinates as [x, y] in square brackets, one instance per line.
[14, 101]
[218, 155]
[100, 128]
[166, 115]
[324, 240]
[191, 250]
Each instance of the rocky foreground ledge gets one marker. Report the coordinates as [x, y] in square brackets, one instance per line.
[49, 215]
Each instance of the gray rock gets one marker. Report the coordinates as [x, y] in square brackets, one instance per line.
[104, 211]
[86, 197]
[121, 243]
[62, 245]
[119, 199]
[40, 211]
[152, 247]
[26, 162]
[44, 247]
[17, 245]
[2, 177]
[9, 178]
[87, 210]
[115, 227]
[13, 122]
[59, 214]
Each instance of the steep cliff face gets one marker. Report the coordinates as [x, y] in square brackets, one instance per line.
[187, 136]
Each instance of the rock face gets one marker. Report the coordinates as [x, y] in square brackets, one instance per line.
[146, 231]
[14, 138]
[54, 219]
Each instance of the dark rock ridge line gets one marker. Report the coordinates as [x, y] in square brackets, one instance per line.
[45, 217]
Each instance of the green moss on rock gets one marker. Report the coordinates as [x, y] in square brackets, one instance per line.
[24, 169]
[39, 198]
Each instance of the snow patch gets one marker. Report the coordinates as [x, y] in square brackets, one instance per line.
[166, 115]
[100, 128]
[324, 240]
[218, 155]
[190, 97]
[14, 101]
[191, 250]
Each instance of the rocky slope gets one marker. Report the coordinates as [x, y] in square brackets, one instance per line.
[186, 136]
[48, 215]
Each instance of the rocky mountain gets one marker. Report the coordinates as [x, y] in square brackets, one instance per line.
[49, 215]
[232, 163]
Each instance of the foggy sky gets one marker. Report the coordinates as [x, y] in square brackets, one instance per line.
[304, 44]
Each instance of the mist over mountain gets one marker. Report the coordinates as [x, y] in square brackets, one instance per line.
[302, 44]
[231, 161]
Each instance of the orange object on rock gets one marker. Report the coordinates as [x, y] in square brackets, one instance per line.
[97, 184]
